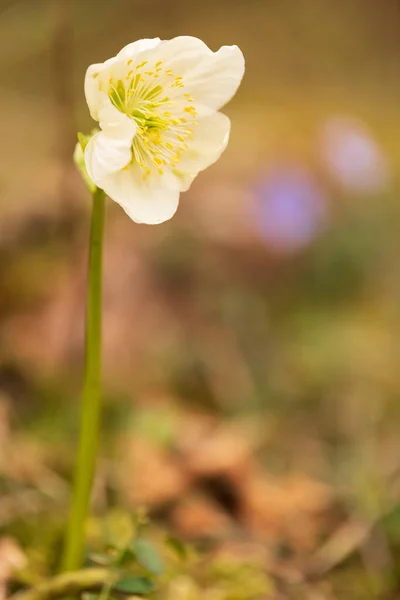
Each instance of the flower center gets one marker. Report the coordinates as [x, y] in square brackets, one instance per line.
[165, 124]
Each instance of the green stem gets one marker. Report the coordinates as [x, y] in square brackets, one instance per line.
[91, 407]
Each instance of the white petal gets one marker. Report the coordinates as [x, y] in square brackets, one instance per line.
[211, 137]
[181, 52]
[212, 78]
[95, 98]
[96, 82]
[115, 123]
[152, 201]
[215, 80]
[133, 49]
[105, 154]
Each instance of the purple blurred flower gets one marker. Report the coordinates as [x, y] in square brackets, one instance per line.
[352, 157]
[290, 208]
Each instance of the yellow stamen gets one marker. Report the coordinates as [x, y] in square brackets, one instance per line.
[155, 137]
[191, 110]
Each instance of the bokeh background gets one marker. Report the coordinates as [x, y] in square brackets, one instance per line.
[251, 344]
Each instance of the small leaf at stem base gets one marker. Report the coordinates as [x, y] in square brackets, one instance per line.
[131, 584]
[147, 556]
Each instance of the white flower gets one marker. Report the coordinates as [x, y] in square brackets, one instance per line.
[157, 105]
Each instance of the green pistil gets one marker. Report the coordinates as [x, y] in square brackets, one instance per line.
[140, 108]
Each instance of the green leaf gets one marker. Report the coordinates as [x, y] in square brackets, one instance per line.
[147, 556]
[83, 140]
[130, 584]
[80, 163]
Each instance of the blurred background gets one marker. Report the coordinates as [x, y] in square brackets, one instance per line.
[251, 344]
